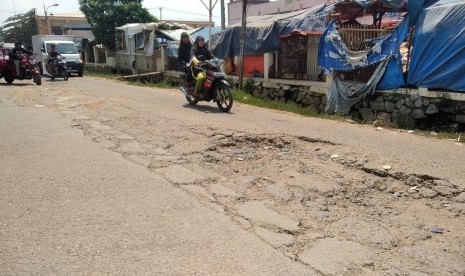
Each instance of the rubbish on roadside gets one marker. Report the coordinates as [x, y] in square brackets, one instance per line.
[334, 156]
[414, 188]
[240, 158]
[410, 131]
[387, 167]
[436, 229]
[379, 128]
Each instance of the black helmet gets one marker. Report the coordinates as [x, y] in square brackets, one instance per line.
[18, 43]
[198, 38]
[52, 45]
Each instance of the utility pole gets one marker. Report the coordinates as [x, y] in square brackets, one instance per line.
[46, 16]
[210, 11]
[241, 59]
[160, 12]
[223, 17]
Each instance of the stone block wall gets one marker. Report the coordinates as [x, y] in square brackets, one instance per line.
[412, 111]
[403, 108]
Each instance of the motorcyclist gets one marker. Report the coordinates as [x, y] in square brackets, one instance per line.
[198, 53]
[52, 55]
[17, 51]
[184, 52]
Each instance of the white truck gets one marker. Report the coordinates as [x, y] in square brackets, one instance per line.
[64, 45]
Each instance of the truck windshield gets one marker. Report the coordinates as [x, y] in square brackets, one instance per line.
[64, 48]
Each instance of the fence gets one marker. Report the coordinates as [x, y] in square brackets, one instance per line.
[361, 38]
[298, 58]
[292, 61]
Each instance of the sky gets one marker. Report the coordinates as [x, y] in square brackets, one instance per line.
[170, 9]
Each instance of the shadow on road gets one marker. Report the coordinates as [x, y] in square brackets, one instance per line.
[206, 108]
[16, 84]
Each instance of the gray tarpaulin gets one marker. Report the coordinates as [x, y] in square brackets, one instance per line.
[343, 95]
[262, 32]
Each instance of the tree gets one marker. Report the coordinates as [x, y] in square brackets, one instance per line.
[105, 15]
[20, 27]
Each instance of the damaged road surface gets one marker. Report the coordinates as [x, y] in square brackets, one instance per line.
[191, 190]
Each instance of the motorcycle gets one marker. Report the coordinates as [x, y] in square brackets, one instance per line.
[215, 87]
[57, 68]
[28, 68]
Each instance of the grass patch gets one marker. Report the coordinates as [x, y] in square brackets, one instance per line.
[448, 135]
[163, 85]
[243, 97]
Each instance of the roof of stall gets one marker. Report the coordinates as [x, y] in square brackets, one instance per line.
[262, 32]
[358, 8]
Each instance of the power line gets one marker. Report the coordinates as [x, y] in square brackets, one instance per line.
[181, 11]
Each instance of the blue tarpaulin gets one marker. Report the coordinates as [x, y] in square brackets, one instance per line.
[334, 55]
[392, 4]
[438, 56]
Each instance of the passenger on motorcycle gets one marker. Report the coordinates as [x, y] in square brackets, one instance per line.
[17, 51]
[199, 51]
[184, 53]
[52, 55]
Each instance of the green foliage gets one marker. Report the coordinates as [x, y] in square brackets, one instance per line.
[20, 27]
[249, 86]
[105, 16]
[243, 97]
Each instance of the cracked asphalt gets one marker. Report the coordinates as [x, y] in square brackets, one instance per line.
[103, 177]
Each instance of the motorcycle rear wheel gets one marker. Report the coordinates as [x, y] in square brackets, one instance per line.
[224, 97]
[191, 100]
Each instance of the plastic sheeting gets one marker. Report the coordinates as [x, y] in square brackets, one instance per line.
[262, 32]
[438, 56]
[132, 29]
[392, 4]
[342, 96]
[416, 6]
[333, 54]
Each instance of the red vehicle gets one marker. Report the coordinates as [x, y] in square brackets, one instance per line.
[27, 63]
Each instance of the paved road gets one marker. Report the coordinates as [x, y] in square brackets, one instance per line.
[70, 206]
[102, 177]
